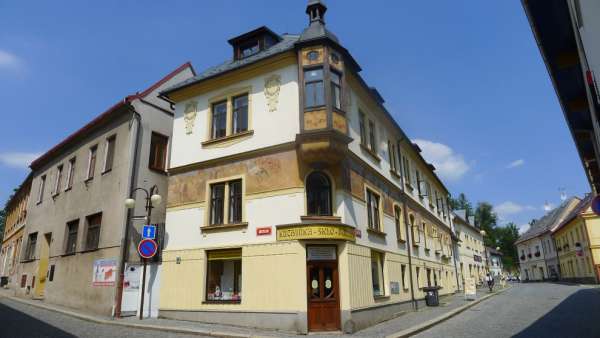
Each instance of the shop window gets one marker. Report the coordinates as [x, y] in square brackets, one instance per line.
[224, 276]
[318, 194]
[377, 273]
[219, 204]
[373, 210]
[314, 94]
[72, 228]
[158, 152]
[93, 231]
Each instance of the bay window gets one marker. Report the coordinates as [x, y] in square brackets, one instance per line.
[336, 90]
[314, 94]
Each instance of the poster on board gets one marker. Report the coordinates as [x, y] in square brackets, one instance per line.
[104, 272]
[470, 289]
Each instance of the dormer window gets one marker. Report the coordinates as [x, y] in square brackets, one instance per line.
[253, 42]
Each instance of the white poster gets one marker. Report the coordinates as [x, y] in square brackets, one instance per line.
[105, 272]
[470, 288]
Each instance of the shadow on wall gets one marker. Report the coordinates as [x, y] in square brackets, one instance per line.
[576, 316]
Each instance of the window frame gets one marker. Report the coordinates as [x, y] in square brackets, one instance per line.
[158, 140]
[234, 110]
[374, 217]
[362, 127]
[398, 222]
[97, 228]
[378, 258]
[372, 137]
[109, 153]
[336, 96]
[70, 173]
[308, 194]
[226, 207]
[317, 104]
[57, 180]
[237, 273]
[92, 159]
[69, 240]
[228, 98]
[213, 120]
[41, 188]
[31, 246]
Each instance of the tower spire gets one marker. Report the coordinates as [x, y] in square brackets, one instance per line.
[316, 11]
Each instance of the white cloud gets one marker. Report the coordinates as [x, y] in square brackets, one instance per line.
[516, 163]
[9, 60]
[523, 228]
[448, 164]
[509, 208]
[17, 159]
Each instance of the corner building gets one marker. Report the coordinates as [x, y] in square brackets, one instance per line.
[295, 200]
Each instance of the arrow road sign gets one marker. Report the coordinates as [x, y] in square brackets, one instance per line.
[149, 231]
[147, 248]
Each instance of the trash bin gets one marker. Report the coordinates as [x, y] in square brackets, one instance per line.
[432, 297]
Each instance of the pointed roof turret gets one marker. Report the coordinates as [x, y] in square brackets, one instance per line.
[316, 29]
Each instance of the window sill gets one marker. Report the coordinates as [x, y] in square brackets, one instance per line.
[227, 138]
[395, 174]
[321, 218]
[431, 205]
[89, 250]
[158, 170]
[68, 188]
[68, 254]
[105, 172]
[89, 179]
[55, 194]
[400, 240]
[427, 249]
[376, 232]
[370, 152]
[218, 227]
[382, 297]
[415, 244]
[409, 186]
[28, 260]
[222, 302]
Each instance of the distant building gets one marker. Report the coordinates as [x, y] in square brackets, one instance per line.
[14, 228]
[494, 258]
[76, 219]
[471, 251]
[568, 35]
[296, 202]
[577, 240]
[538, 258]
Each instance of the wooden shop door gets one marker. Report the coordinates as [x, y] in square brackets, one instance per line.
[323, 296]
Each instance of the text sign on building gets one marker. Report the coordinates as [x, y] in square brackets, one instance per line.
[149, 231]
[296, 232]
[395, 288]
[104, 272]
[264, 231]
[320, 253]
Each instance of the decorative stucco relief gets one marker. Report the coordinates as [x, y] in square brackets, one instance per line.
[272, 88]
[189, 116]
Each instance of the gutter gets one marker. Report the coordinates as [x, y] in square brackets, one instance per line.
[127, 224]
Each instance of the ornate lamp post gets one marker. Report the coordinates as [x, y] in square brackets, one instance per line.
[153, 199]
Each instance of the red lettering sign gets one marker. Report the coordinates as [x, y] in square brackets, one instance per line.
[263, 231]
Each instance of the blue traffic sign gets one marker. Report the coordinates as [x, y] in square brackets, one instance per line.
[147, 248]
[149, 231]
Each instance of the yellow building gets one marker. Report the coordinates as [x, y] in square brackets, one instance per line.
[16, 219]
[295, 200]
[577, 241]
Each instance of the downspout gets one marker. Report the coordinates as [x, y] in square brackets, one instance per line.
[126, 226]
[408, 241]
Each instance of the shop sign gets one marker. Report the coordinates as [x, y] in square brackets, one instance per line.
[320, 253]
[470, 290]
[296, 232]
[395, 288]
[104, 272]
[265, 231]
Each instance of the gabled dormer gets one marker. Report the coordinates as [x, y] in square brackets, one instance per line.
[253, 42]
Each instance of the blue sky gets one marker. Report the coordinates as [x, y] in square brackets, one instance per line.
[463, 78]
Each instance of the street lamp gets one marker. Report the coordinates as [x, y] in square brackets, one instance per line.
[153, 199]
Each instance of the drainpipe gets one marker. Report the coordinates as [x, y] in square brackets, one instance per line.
[127, 225]
[408, 245]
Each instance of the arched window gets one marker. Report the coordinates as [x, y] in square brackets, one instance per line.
[318, 194]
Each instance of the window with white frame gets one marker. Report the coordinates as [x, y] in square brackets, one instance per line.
[373, 210]
[41, 188]
[70, 174]
[109, 153]
[93, 153]
[58, 180]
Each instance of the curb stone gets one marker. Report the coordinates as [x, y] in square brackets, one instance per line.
[430, 323]
[133, 325]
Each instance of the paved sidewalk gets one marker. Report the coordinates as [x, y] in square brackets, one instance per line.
[399, 326]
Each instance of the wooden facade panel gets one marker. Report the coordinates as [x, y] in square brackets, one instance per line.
[339, 122]
[315, 119]
[305, 59]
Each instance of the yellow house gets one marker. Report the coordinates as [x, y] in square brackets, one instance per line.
[295, 200]
[577, 241]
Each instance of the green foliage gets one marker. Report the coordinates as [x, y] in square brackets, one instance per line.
[2, 223]
[486, 220]
[507, 236]
[461, 203]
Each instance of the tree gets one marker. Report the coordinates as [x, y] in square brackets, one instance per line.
[461, 203]
[486, 220]
[507, 236]
[2, 223]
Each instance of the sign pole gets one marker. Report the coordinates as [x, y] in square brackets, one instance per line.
[143, 289]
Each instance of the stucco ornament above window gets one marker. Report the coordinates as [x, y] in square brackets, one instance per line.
[272, 88]
[189, 116]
